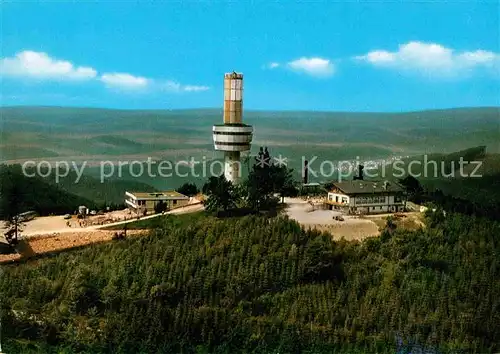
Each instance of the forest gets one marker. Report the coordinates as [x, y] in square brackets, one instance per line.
[254, 284]
[19, 193]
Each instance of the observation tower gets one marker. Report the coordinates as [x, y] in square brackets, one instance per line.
[233, 136]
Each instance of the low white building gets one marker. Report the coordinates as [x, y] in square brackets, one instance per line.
[367, 197]
[145, 202]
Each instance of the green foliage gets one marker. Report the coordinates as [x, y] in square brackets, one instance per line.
[412, 187]
[459, 205]
[109, 192]
[469, 174]
[261, 285]
[221, 194]
[19, 193]
[388, 230]
[314, 190]
[161, 207]
[14, 226]
[160, 221]
[265, 179]
[188, 189]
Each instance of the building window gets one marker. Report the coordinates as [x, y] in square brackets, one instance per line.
[370, 200]
[336, 199]
[397, 199]
[175, 202]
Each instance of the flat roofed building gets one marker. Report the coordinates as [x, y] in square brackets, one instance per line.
[147, 201]
[367, 197]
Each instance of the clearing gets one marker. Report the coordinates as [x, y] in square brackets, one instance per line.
[51, 234]
[352, 228]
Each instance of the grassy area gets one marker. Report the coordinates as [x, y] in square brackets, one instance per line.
[180, 220]
[411, 221]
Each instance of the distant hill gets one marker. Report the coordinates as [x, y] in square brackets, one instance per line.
[110, 191]
[45, 196]
[479, 180]
[80, 133]
[95, 135]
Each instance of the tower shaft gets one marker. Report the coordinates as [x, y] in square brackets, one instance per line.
[233, 98]
[232, 166]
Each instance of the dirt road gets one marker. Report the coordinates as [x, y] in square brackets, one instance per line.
[48, 225]
[50, 239]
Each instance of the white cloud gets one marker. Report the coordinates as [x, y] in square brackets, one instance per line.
[124, 81]
[38, 65]
[432, 59]
[271, 66]
[174, 86]
[195, 88]
[170, 86]
[131, 82]
[313, 66]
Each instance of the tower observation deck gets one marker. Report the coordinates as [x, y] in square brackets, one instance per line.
[232, 136]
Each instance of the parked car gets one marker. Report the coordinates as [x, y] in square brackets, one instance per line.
[338, 218]
[27, 216]
[67, 216]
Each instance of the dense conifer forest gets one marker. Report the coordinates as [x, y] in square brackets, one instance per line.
[262, 285]
[19, 193]
[46, 197]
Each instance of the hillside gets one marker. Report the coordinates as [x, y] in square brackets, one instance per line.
[88, 134]
[35, 194]
[46, 195]
[477, 181]
[482, 189]
[110, 191]
[199, 284]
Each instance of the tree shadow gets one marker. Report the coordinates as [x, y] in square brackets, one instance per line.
[24, 249]
[235, 213]
[240, 212]
[6, 248]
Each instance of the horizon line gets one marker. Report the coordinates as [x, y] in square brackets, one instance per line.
[249, 110]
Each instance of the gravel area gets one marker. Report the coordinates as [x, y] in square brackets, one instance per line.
[352, 228]
[33, 246]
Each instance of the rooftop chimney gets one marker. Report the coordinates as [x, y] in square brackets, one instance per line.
[360, 173]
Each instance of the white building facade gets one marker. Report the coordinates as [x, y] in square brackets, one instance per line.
[367, 197]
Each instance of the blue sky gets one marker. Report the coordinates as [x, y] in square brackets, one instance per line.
[338, 56]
